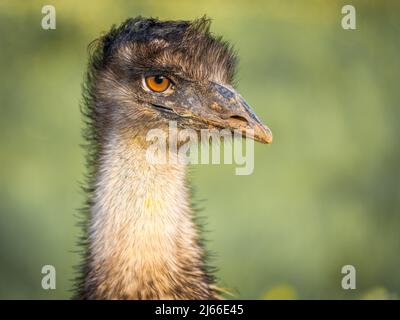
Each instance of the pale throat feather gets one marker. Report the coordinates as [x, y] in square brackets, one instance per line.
[141, 231]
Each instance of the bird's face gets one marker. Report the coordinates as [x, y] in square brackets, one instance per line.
[200, 104]
[157, 81]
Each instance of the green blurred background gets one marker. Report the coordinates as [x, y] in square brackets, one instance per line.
[325, 194]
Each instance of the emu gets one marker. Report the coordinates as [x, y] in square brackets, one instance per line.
[141, 240]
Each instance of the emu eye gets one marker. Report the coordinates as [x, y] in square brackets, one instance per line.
[157, 83]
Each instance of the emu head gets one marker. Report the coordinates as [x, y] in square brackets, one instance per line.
[146, 73]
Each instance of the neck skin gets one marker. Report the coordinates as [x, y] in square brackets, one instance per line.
[143, 243]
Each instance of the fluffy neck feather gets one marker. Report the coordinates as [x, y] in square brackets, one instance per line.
[143, 243]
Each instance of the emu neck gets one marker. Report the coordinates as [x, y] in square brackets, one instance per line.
[143, 243]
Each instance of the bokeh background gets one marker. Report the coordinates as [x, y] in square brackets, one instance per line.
[325, 194]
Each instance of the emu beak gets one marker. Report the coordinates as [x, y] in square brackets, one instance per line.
[225, 108]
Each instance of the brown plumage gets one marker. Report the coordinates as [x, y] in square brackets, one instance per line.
[141, 240]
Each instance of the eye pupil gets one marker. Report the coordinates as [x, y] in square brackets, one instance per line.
[158, 79]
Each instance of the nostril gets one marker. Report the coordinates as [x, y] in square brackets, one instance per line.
[238, 120]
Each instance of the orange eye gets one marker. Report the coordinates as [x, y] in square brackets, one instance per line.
[158, 83]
